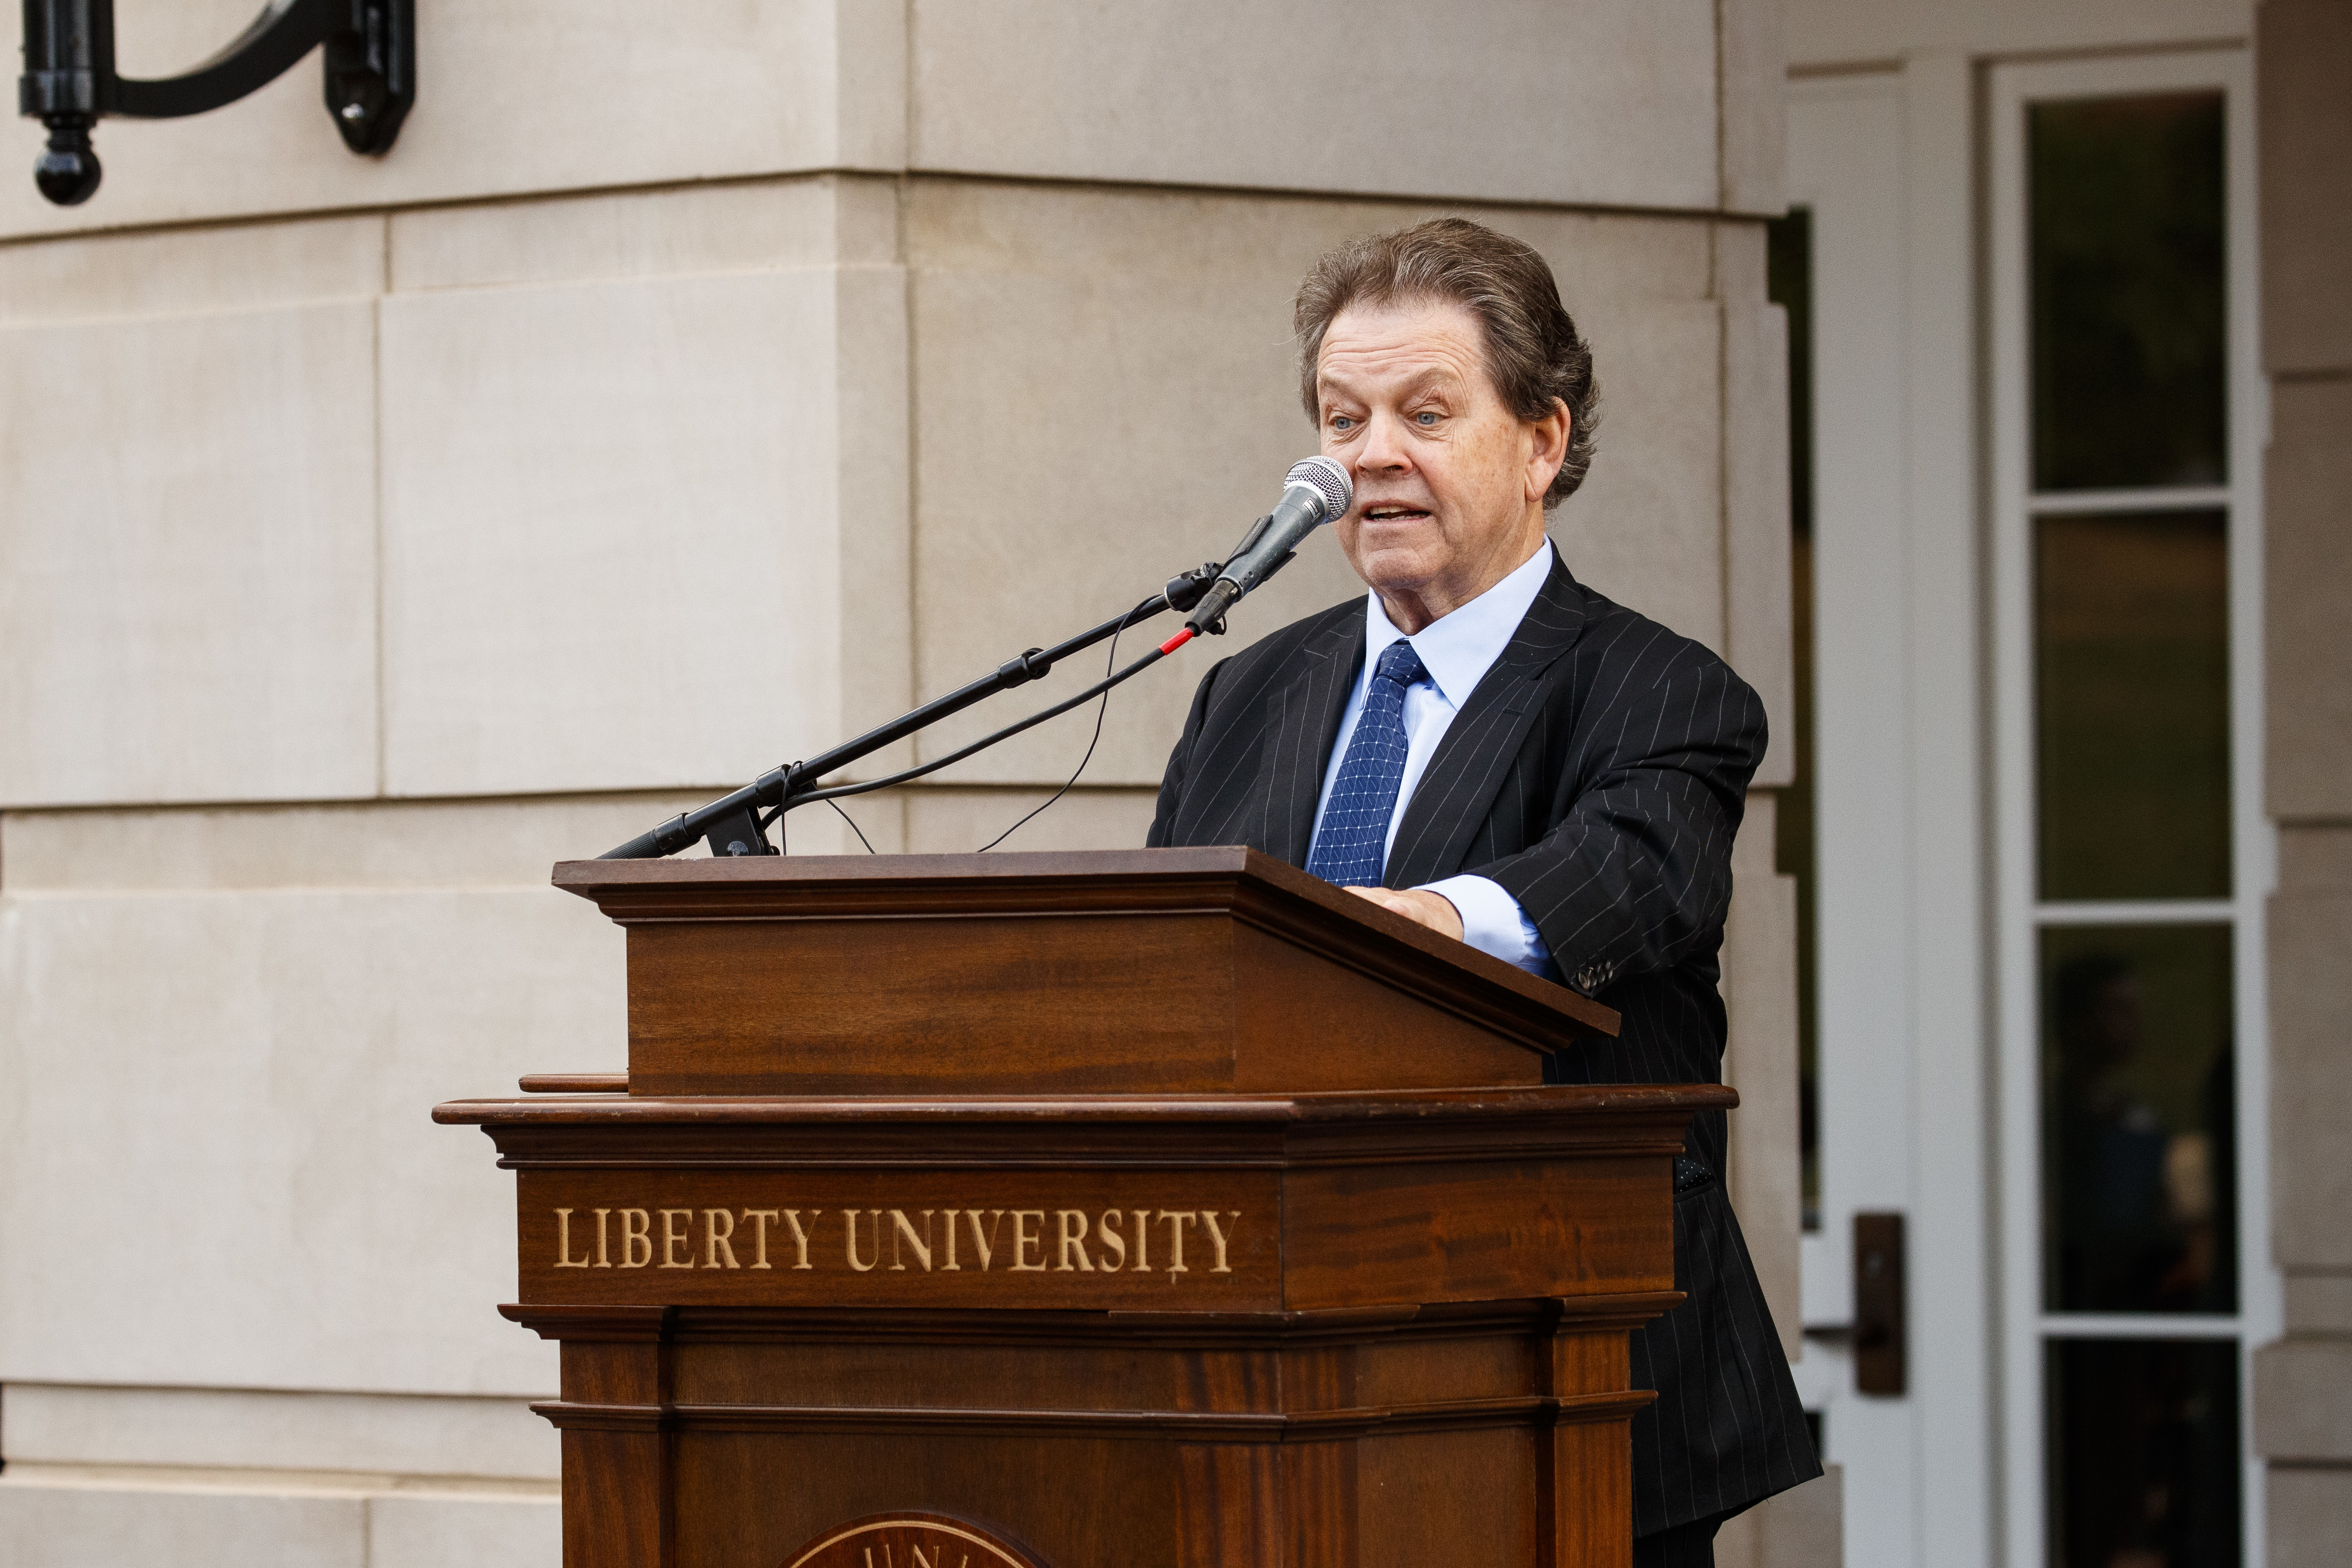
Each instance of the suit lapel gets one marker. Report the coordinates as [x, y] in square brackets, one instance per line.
[1481, 745]
[1305, 719]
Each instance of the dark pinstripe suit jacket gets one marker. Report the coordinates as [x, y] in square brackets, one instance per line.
[1598, 773]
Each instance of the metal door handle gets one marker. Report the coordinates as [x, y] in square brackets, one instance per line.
[1880, 1343]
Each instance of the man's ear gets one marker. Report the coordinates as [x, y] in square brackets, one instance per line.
[1547, 449]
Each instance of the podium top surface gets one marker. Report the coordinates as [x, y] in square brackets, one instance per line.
[1152, 971]
[1563, 1104]
[1255, 886]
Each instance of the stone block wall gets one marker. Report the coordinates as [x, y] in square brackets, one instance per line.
[2302, 1395]
[691, 388]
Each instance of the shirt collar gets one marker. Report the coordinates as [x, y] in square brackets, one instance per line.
[1458, 648]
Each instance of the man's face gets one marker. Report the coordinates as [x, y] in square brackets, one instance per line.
[1449, 482]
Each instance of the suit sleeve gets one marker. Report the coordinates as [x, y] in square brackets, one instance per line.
[1171, 782]
[1635, 874]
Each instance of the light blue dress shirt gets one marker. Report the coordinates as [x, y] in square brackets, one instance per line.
[1456, 650]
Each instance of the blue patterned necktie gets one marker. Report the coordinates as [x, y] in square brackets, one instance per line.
[1352, 849]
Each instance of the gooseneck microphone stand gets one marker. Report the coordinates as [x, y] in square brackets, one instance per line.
[736, 824]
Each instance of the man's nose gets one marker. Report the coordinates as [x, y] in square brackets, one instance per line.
[1382, 451]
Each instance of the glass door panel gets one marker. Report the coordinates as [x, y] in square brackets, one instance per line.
[2129, 292]
[2132, 704]
[2122, 792]
[2139, 1116]
[2144, 1469]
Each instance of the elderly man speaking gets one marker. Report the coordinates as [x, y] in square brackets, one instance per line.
[1491, 748]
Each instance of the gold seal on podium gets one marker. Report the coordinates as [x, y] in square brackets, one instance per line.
[910, 1540]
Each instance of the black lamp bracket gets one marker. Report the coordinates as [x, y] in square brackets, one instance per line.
[69, 81]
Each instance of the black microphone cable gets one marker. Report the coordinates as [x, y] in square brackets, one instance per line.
[1110, 661]
[1117, 677]
[852, 825]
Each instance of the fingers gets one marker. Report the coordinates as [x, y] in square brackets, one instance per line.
[1430, 909]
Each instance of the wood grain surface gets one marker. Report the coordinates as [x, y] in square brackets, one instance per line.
[1238, 1203]
[883, 1221]
[1420, 1358]
[1166, 971]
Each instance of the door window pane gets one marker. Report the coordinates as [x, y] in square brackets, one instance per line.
[2132, 705]
[2143, 1460]
[2139, 1119]
[2129, 351]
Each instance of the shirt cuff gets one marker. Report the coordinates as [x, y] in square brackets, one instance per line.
[1493, 922]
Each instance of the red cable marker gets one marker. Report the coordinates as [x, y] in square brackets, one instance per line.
[1179, 640]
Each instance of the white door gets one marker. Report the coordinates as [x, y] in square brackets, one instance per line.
[1879, 172]
[1845, 161]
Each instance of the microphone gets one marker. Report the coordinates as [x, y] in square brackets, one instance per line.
[1316, 492]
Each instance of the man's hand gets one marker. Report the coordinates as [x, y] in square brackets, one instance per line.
[1418, 905]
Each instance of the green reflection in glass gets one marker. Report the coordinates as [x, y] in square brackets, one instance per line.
[2129, 314]
[2144, 1466]
[2139, 1123]
[2132, 705]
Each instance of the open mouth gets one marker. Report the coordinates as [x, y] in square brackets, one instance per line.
[1385, 513]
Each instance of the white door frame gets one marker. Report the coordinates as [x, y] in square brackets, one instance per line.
[2024, 1325]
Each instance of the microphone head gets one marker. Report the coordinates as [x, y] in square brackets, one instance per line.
[1328, 479]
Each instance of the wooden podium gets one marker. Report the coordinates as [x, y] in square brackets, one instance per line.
[1082, 1211]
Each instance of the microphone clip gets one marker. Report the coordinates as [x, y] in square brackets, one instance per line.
[1185, 588]
[1031, 666]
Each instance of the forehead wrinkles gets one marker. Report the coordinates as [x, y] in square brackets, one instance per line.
[1400, 350]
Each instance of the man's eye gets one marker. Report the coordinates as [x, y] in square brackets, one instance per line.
[1426, 419]
[1342, 421]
